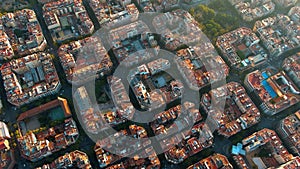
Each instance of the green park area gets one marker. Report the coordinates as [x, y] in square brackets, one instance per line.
[216, 18]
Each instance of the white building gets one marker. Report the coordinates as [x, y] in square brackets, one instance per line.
[4, 133]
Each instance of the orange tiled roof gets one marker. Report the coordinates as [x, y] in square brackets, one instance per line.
[42, 108]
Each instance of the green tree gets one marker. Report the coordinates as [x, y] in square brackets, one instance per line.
[205, 13]
[215, 19]
[15, 125]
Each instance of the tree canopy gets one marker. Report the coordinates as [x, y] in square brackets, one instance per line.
[215, 19]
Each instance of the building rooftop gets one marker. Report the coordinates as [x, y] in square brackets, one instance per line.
[120, 142]
[152, 86]
[293, 164]
[241, 162]
[84, 60]
[201, 66]
[238, 149]
[90, 116]
[294, 13]
[29, 78]
[75, 158]
[164, 5]
[215, 161]
[187, 143]
[251, 10]
[151, 162]
[164, 121]
[59, 102]
[67, 19]
[44, 142]
[277, 92]
[146, 5]
[120, 98]
[105, 158]
[20, 34]
[112, 115]
[291, 123]
[5, 47]
[113, 11]
[4, 132]
[267, 138]
[241, 48]
[278, 33]
[290, 133]
[158, 65]
[6, 156]
[127, 31]
[132, 43]
[177, 35]
[292, 66]
[239, 111]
